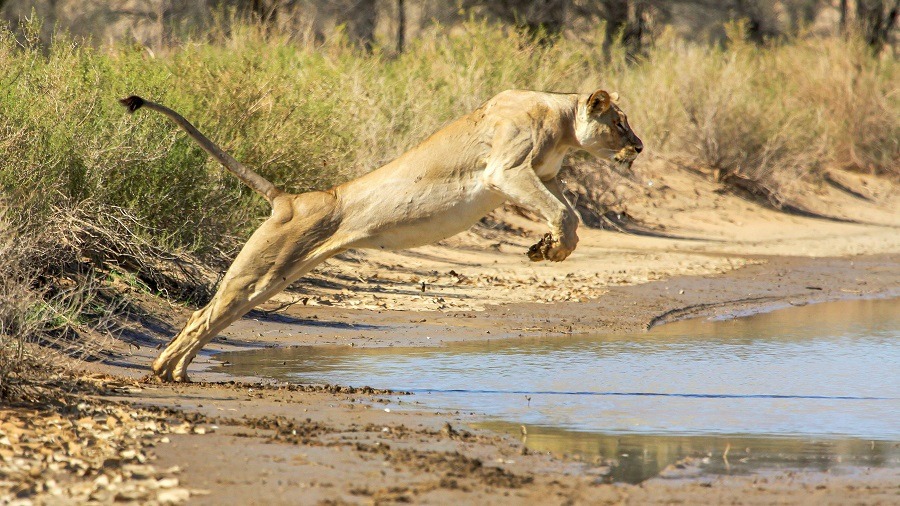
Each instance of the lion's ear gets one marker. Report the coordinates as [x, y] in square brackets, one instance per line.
[598, 102]
[614, 96]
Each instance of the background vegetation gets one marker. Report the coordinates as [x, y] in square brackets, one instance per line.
[90, 195]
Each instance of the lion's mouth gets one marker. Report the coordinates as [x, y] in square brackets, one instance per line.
[625, 157]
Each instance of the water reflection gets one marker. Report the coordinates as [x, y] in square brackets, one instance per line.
[636, 457]
[820, 371]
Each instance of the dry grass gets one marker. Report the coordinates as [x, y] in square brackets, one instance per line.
[65, 286]
[28, 312]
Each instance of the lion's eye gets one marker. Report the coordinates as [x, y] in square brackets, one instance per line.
[620, 128]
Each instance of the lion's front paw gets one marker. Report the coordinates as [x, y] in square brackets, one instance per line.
[538, 251]
[549, 248]
[558, 253]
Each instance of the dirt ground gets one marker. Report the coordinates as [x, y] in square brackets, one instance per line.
[249, 441]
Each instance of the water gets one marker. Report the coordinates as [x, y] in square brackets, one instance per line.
[815, 386]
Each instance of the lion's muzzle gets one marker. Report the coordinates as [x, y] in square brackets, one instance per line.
[625, 157]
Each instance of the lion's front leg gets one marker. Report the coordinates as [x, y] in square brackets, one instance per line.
[510, 171]
[563, 236]
[523, 187]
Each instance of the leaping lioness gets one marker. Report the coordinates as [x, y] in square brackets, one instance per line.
[510, 148]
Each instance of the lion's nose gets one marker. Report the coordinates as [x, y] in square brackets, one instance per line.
[639, 147]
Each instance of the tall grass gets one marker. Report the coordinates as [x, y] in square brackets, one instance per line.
[310, 116]
[784, 114]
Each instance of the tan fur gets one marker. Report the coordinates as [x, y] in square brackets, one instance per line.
[510, 148]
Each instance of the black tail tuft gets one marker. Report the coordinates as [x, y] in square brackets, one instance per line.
[133, 103]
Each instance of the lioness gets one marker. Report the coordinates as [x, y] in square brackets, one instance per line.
[510, 148]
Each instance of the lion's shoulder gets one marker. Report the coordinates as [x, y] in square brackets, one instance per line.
[535, 106]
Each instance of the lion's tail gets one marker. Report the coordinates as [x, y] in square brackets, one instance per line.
[262, 185]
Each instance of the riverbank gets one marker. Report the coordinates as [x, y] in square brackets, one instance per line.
[255, 442]
[277, 444]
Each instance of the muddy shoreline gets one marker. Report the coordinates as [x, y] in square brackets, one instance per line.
[353, 451]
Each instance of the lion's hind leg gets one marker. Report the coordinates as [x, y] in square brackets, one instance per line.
[285, 247]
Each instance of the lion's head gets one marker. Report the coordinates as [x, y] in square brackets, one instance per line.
[603, 130]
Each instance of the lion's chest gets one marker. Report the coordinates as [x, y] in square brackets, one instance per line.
[548, 165]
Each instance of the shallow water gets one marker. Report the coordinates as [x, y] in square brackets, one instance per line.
[810, 386]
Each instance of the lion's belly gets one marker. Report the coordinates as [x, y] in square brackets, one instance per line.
[428, 218]
[434, 228]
